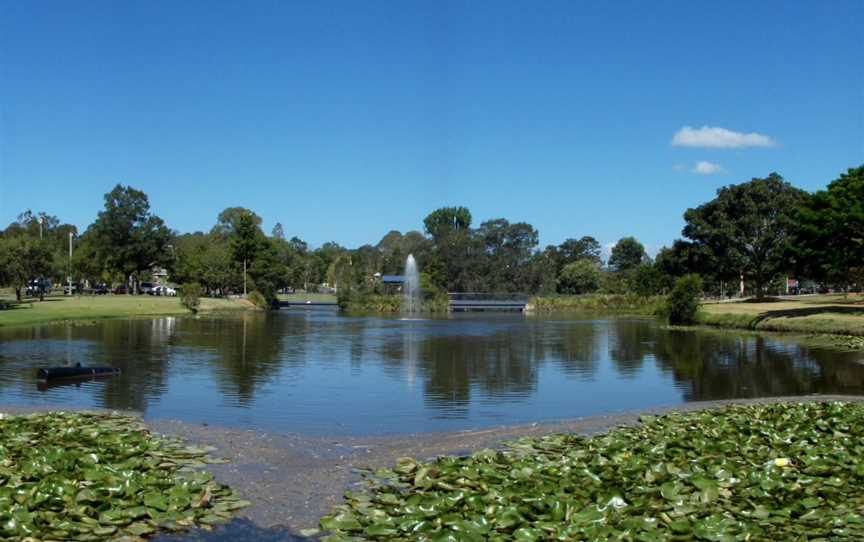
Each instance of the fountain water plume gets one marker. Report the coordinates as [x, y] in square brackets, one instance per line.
[411, 287]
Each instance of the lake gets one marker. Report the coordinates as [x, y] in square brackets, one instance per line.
[322, 373]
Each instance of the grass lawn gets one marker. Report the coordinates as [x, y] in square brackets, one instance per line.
[815, 314]
[303, 297]
[59, 308]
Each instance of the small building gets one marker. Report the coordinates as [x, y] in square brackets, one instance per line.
[392, 283]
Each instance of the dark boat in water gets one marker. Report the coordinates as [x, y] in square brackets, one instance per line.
[76, 372]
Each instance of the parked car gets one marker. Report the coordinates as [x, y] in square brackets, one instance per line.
[100, 289]
[121, 290]
[74, 289]
[164, 290]
[146, 288]
[37, 287]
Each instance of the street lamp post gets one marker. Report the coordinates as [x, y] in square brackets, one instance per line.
[69, 271]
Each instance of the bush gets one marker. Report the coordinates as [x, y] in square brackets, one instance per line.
[580, 277]
[683, 302]
[190, 296]
[259, 300]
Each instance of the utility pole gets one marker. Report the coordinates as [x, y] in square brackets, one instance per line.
[244, 278]
[41, 218]
[69, 275]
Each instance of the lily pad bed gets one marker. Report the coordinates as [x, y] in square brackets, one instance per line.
[777, 472]
[92, 477]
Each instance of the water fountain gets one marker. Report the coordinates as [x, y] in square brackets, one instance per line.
[411, 287]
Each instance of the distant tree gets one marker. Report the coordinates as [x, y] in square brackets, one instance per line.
[580, 277]
[748, 227]
[627, 255]
[245, 240]
[648, 280]
[585, 248]
[507, 251]
[127, 237]
[228, 220]
[278, 231]
[829, 240]
[267, 271]
[23, 260]
[447, 221]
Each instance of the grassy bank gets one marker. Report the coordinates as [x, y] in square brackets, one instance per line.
[824, 314]
[301, 297]
[101, 477]
[622, 303]
[787, 471]
[61, 308]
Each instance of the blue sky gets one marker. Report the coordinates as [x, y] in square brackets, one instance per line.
[344, 120]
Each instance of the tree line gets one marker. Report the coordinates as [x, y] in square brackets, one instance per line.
[755, 233]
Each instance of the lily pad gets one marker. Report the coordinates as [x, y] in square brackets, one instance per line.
[94, 477]
[791, 471]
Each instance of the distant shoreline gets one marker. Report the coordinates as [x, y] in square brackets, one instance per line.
[79, 309]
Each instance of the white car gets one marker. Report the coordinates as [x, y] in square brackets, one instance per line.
[164, 290]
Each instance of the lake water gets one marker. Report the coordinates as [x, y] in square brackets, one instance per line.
[319, 372]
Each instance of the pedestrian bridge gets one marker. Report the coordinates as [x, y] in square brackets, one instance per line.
[472, 301]
[459, 302]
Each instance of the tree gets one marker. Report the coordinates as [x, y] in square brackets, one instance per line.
[127, 237]
[446, 221]
[246, 240]
[579, 277]
[627, 255]
[748, 228]
[584, 248]
[683, 302]
[23, 260]
[829, 240]
[228, 219]
[278, 231]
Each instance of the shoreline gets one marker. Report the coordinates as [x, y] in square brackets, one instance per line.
[91, 309]
[293, 479]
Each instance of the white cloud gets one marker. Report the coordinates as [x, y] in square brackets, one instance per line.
[703, 167]
[679, 167]
[719, 138]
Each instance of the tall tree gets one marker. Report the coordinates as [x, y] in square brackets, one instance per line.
[228, 219]
[583, 248]
[246, 240]
[748, 227]
[447, 221]
[24, 259]
[128, 238]
[278, 231]
[627, 255]
[829, 241]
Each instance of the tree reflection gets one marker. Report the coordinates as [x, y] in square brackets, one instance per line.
[710, 365]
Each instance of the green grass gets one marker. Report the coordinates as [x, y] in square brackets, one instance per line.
[623, 303]
[763, 473]
[829, 314]
[61, 308]
[304, 297]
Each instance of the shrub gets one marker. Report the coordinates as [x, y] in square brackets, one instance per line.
[580, 277]
[683, 302]
[259, 300]
[190, 296]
